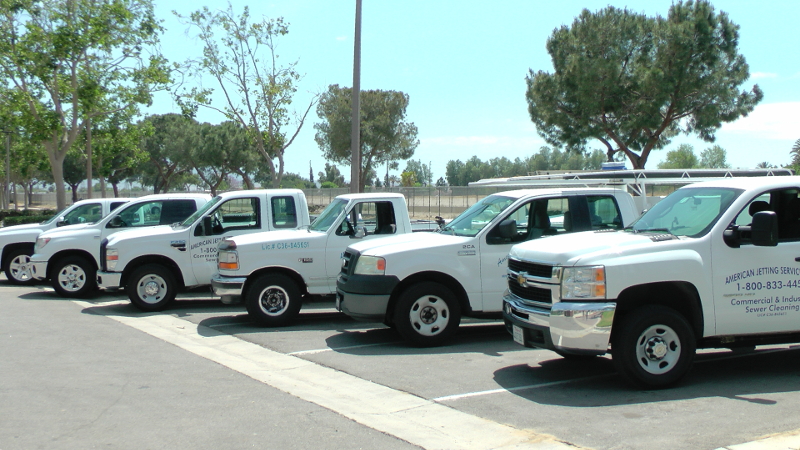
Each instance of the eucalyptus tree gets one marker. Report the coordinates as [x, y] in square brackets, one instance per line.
[78, 60]
[256, 91]
[167, 140]
[632, 82]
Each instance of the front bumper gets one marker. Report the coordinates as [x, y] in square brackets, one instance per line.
[365, 297]
[227, 286]
[109, 280]
[567, 327]
[39, 270]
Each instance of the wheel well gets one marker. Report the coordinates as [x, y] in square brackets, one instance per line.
[678, 295]
[153, 259]
[67, 253]
[301, 284]
[11, 247]
[437, 277]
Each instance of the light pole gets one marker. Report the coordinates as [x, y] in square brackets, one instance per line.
[356, 184]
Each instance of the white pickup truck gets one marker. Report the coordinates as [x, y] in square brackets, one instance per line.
[17, 241]
[273, 272]
[713, 265]
[69, 256]
[422, 284]
[153, 264]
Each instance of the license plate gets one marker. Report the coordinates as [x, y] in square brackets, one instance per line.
[519, 335]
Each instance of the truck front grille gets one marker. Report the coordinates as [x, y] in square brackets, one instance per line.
[532, 269]
[103, 245]
[534, 295]
[348, 263]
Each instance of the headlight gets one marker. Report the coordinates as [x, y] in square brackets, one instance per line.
[40, 242]
[583, 283]
[227, 260]
[370, 265]
[112, 256]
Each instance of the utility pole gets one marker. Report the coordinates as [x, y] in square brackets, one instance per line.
[356, 185]
[7, 187]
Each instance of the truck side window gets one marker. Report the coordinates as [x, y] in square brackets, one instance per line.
[375, 217]
[284, 214]
[522, 217]
[604, 213]
[236, 214]
[88, 213]
[785, 203]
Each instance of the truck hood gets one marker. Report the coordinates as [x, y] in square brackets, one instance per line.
[20, 233]
[274, 236]
[71, 230]
[408, 242]
[158, 230]
[577, 248]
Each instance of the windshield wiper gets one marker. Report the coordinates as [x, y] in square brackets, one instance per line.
[651, 230]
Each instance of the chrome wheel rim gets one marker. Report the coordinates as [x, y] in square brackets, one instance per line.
[20, 268]
[72, 278]
[151, 289]
[273, 300]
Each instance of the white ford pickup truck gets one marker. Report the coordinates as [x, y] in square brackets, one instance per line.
[153, 264]
[713, 265]
[273, 272]
[69, 256]
[424, 283]
[17, 241]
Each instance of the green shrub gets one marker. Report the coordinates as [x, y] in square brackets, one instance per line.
[19, 220]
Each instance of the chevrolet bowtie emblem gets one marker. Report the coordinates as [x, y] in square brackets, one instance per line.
[522, 279]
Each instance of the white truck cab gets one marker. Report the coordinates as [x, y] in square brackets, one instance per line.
[153, 264]
[16, 242]
[274, 272]
[424, 283]
[713, 265]
[70, 256]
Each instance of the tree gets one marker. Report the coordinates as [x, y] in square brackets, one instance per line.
[64, 56]
[633, 82]
[385, 135]
[795, 152]
[714, 158]
[408, 179]
[422, 173]
[257, 91]
[331, 175]
[681, 158]
[167, 140]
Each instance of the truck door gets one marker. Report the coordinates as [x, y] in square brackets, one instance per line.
[757, 289]
[234, 217]
[377, 219]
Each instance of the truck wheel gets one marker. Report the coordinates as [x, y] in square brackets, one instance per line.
[273, 300]
[427, 314]
[17, 266]
[654, 347]
[73, 277]
[151, 287]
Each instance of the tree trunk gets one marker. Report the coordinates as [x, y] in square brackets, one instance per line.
[57, 168]
[88, 158]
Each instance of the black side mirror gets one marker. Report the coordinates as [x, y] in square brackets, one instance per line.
[507, 229]
[207, 226]
[764, 230]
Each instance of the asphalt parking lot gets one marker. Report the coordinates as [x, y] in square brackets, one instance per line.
[481, 391]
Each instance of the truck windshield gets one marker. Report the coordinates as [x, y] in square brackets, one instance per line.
[200, 212]
[477, 216]
[687, 212]
[328, 215]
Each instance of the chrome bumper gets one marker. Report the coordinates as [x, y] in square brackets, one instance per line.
[109, 280]
[567, 327]
[227, 286]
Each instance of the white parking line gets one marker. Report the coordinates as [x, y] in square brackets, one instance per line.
[329, 349]
[418, 421]
[447, 398]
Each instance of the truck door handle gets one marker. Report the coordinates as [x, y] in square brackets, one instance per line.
[180, 245]
[797, 259]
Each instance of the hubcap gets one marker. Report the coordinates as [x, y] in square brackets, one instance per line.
[429, 315]
[273, 301]
[20, 268]
[151, 289]
[658, 349]
[71, 277]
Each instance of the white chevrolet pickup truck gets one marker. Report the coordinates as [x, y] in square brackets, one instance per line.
[274, 272]
[713, 265]
[423, 284]
[153, 264]
[16, 242]
[69, 256]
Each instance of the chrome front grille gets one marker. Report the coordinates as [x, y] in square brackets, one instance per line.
[535, 284]
[532, 269]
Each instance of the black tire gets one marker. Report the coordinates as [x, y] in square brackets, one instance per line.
[17, 266]
[427, 314]
[273, 300]
[73, 277]
[151, 287]
[653, 347]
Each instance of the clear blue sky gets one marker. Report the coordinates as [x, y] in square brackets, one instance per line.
[463, 64]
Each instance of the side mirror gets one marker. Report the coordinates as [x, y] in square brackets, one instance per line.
[360, 232]
[764, 230]
[507, 229]
[61, 222]
[207, 226]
